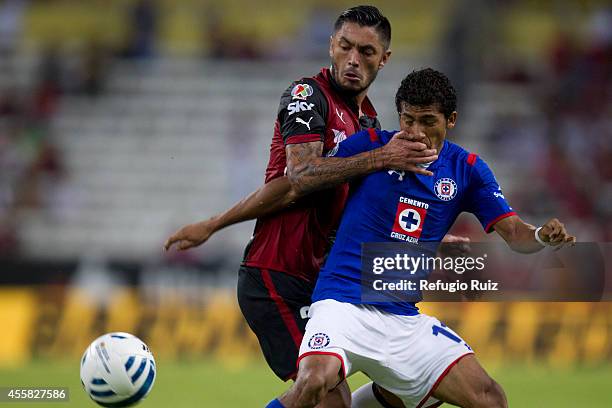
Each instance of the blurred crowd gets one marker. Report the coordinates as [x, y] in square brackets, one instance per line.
[30, 163]
[567, 143]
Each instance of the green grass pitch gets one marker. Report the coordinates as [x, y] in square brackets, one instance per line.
[212, 384]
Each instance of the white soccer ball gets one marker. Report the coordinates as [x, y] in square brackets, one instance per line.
[117, 370]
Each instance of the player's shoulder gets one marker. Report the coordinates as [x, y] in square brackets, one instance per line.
[462, 156]
[470, 163]
[303, 89]
[383, 135]
[303, 95]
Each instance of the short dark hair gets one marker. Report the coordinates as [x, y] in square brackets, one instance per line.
[368, 16]
[427, 87]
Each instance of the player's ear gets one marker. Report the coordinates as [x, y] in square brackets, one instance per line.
[452, 119]
[385, 58]
[331, 46]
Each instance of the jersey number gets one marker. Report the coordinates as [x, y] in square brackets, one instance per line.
[435, 330]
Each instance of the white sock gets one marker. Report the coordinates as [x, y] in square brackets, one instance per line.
[364, 397]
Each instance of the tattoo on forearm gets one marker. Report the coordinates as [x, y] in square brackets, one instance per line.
[304, 163]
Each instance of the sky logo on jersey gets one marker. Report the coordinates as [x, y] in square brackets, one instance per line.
[318, 341]
[409, 219]
[301, 91]
[446, 189]
[298, 106]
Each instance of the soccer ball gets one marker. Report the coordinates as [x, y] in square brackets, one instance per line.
[117, 370]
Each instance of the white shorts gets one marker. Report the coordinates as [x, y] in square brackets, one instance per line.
[407, 355]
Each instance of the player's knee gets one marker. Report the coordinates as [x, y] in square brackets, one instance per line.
[312, 387]
[490, 396]
[338, 397]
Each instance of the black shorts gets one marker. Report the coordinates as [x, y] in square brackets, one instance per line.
[275, 305]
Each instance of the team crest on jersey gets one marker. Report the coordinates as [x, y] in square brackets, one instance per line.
[446, 189]
[318, 341]
[409, 219]
[301, 91]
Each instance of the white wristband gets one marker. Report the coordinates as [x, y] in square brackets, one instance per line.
[537, 237]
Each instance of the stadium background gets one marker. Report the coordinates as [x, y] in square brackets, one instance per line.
[123, 120]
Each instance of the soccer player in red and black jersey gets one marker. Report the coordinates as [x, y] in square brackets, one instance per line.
[300, 205]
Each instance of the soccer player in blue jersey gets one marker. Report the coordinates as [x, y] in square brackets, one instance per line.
[410, 354]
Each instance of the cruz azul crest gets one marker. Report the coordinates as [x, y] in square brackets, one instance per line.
[446, 189]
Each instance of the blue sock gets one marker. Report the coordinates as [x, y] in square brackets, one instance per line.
[275, 403]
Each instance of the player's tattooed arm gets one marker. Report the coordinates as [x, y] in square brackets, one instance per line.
[520, 235]
[273, 196]
[308, 171]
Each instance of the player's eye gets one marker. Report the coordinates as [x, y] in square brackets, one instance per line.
[368, 52]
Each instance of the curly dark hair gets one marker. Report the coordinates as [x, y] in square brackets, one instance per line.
[427, 87]
[367, 16]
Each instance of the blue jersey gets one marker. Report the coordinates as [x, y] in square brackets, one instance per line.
[394, 206]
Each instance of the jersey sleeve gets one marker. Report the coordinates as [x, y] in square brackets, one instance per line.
[302, 113]
[486, 200]
[359, 142]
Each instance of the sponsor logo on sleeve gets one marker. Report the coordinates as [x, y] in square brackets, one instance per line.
[301, 91]
[498, 193]
[295, 107]
[303, 122]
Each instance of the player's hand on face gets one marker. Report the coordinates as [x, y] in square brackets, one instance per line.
[406, 151]
[190, 236]
[414, 137]
[554, 233]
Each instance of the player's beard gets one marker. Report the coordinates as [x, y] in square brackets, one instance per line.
[352, 92]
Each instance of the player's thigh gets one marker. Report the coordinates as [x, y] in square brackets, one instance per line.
[275, 308]
[387, 398]
[467, 384]
[421, 352]
[350, 332]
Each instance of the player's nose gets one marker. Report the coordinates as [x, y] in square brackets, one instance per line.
[353, 58]
[413, 129]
